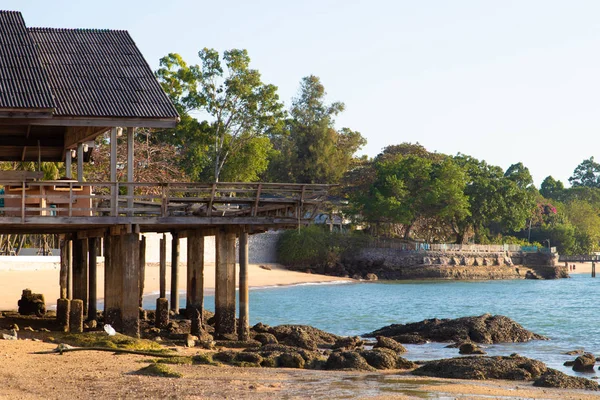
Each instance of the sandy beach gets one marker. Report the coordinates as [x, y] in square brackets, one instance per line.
[44, 278]
[91, 374]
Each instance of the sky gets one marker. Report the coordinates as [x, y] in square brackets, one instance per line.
[504, 81]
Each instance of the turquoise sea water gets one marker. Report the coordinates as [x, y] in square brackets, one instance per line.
[564, 310]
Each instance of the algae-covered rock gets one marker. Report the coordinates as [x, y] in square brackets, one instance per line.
[381, 358]
[556, 379]
[347, 360]
[161, 370]
[389, 343]
[480, 329]
[511, 368]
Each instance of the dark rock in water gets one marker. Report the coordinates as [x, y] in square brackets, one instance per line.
[584, 363]
[266, 338]
[348, 343]
[371, 277]
[481, 329]
[556, 379]
[409, 338]
[470, 348]
[574, 352]
[32, 303]
[569, 363]
[380, 358]
[403, 363]
[478, 368]
[389, 343]
[347, 360]
[531, 275]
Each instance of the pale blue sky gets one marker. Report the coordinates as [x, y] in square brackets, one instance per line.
[505, 81]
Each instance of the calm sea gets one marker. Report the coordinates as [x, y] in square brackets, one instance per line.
[564, 310]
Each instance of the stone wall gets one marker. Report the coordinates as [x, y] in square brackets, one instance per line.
[395, 264]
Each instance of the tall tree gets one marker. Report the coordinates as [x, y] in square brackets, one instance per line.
[551, 188]
[239, 105]
[314, 151]
[586, 174]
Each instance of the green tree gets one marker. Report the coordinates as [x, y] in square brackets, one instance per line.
[313, 151]
[551, 188]
[239, 105]
[586, 174]
[519, 174]
[495, 200]
[410, 188]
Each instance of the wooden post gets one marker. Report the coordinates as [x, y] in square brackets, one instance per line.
[113, 283]
[64, 267]
[130, 163]
[63, 309]
[80, 164]
[163, 267]
[80, 272]
[244, 321]
[195, 280]
[113, 171]
[162, 313]
[76, 316]
[70, 269]
[68, 166]
[225, 282]
[130, 268]
[593, 269]
[93, 278]
[174, 272]
[142, 261]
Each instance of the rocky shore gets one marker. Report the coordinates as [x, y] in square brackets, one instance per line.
[391, 264]
[302, 347]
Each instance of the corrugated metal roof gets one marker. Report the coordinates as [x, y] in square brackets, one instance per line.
[23, 83]
[76, 72]
[99, 73]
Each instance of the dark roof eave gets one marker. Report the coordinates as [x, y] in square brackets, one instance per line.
[26, 112]
[95, 121]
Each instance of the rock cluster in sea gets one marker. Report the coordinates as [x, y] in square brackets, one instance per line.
[485, 328]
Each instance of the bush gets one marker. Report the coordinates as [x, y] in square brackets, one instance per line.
[316, 246]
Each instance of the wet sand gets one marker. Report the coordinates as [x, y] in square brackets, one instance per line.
[102, 375]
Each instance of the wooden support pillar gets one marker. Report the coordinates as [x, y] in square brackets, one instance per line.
[80, 272]
[195, 280]
[68, 165]
[142, 261]
[113, 171]
[93, 278]
[64, 266]
[130, 163]
[175, 272]
[113, 285]
[593, 269]
[76, 316]
[130, 265]
[80, 165]
[162, 279]
[121, 298]
[244, 320]
[70, 269]
[225, 282]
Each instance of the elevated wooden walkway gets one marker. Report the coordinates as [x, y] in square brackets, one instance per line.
[70, 206]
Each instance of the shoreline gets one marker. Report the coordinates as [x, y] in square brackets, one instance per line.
[43, 277]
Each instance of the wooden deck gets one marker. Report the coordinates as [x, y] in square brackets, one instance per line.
[69, 206]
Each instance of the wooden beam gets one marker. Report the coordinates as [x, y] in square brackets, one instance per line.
[244, 321]
[93, 277]
[195, 280]
[75, 135]
[92, 122]
[175, 272]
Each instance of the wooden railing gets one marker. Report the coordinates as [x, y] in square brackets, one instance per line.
[119, 199]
